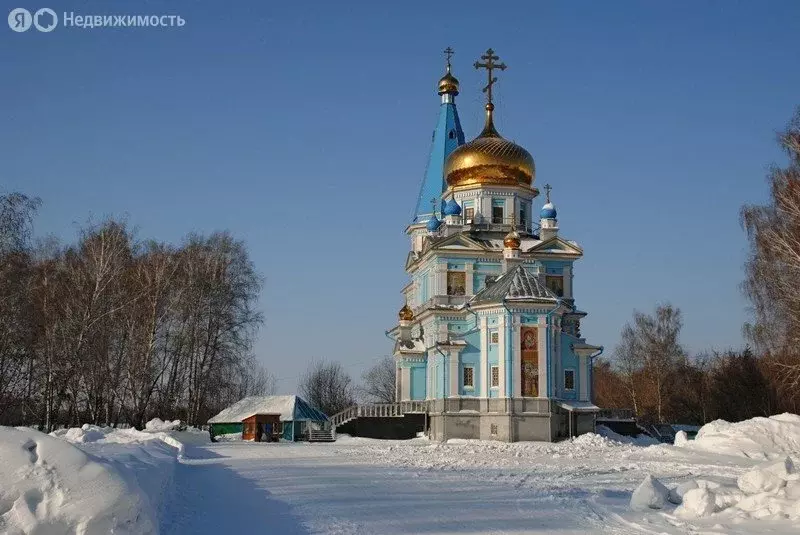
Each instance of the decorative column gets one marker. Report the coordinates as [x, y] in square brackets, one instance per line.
[486, 375]
[567, 275]
[501, 356]
[440, 279]
[442, 333]
[405, 383]
[398, 394]
[469, 270]
[454, 390]
[557, 374]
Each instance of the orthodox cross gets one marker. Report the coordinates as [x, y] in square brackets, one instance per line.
[489, 64]
[433, 206]
[449, 53]
[547, 188]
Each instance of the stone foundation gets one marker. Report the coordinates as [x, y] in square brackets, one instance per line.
[504, 419]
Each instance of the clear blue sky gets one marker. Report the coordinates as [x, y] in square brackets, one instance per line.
[303, 128]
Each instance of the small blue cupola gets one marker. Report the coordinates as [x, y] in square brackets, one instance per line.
[549, 209]
[433, 223]
[452, 208]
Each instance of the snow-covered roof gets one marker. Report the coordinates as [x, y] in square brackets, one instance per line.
[415, 345]
[578, 406]
[289, 407]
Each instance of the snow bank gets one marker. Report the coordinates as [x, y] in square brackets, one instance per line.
[233, 437]
[770, 490]
[50, 485]
[157, 424]
[639, 440]
[697, 503]
[109, 435]
[759, 438]
[767, 478]
[650, 494]
[146, 460]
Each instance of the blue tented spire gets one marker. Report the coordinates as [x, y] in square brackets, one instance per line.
[446, 137]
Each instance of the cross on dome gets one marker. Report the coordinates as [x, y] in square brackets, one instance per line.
[449, 52]
[489, 64]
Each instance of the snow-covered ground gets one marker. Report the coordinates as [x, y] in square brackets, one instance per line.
[735, 478]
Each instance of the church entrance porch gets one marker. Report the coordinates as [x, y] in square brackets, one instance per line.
[574, 418]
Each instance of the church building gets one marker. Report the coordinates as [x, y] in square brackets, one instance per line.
[489, 335]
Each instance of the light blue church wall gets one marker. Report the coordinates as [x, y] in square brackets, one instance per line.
[492, 267]
[569, 361]
[458, 328]
[471, 356]
[555, 267]
[482, 269]
[418, 378]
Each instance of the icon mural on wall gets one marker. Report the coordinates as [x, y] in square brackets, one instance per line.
[530, 361]
[456, 283]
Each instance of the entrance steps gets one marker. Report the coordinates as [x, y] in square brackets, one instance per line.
[321, 435]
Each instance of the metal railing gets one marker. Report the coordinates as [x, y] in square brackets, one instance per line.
[378, 410]
[616, 414]
[448, 300]
[479, 222]
[446, 405]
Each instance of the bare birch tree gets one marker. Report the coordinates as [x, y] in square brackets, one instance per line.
[647, 355]
[773, 268]
[378, 382]
[327, 387]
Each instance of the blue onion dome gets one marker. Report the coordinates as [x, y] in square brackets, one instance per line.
[434, 224]
[452, 208]
[548, 211]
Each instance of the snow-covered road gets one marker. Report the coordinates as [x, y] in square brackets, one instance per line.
[358, 486]
[733, 479]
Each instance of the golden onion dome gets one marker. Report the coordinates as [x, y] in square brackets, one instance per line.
[405, 313]
[512, 240]
[448, 84]
[490, 159]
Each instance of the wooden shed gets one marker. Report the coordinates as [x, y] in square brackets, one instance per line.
[262, 427]
[297, 417]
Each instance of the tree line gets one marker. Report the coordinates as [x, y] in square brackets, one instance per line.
[112, 329]
[652, 374]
